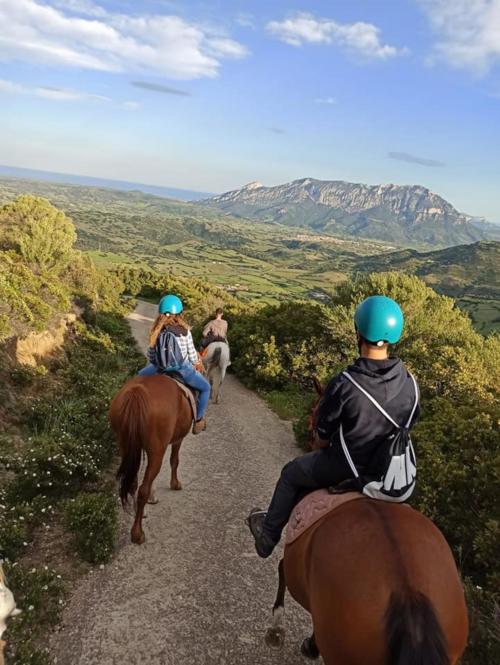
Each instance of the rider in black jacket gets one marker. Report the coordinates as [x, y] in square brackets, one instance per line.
[378, 321]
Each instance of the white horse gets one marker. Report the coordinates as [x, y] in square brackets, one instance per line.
[216, 362]
[7, 609]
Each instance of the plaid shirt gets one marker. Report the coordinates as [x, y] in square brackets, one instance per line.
[186, 346]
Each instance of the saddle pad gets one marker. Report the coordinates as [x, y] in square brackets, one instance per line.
[312, 508]
[188, 393]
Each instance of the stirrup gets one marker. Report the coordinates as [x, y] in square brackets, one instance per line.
[254, 521]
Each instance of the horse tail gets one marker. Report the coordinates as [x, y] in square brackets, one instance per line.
[414, 635]
[132, 437]
[215, 359]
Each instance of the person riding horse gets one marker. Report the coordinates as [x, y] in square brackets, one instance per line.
[353, 426]
[170, 322]
[214, 331]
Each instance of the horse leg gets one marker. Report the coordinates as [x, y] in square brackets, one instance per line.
[174, 463]
[216, 385]
[275, 636]
[309, 648]
[155, 460]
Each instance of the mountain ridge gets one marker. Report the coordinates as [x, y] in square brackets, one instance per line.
[403, 214]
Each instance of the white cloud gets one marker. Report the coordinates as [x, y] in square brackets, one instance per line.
[468, 32]
[65, 95]
[11, 88]
[131, 106]
[59, 94]
[245, 20]
[304, 28]
[85, 7]
[326, 100]
[165, 45]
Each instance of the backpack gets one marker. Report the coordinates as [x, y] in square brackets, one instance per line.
[168, 354]
[395, 462]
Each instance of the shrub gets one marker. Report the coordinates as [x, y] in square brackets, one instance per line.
[40, 596]
[93, 520]
[38, 232]
[484, 618]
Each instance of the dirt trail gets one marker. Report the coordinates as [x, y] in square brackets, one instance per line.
[195, 592]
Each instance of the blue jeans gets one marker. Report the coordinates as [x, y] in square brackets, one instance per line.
[191, 378]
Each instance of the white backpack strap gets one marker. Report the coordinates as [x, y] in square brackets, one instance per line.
[374, 401]
[416, 400]
[347, 453]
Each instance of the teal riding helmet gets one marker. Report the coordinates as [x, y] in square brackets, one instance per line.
[170, 305]
[379, 319]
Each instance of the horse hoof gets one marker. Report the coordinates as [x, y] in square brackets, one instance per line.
[153, 501]
[176, 486]
[309, 649]
[275, 637]
[140, 539]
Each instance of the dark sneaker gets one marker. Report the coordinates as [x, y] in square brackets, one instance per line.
[263, 544]
[200, 426]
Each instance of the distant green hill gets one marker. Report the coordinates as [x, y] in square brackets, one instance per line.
[469, 273]
[471, 270]
[260, 262]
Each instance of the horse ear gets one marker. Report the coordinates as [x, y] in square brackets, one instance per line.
[318, 387]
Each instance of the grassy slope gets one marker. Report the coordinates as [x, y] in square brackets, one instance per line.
[261, 262]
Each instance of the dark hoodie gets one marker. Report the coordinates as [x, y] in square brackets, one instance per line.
[364, 427]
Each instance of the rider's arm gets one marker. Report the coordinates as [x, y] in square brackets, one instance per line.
[329, 410]
[206, 329]
[191, 351]
[152, 355]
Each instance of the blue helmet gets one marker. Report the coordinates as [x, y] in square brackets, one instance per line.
[170, 305]
[379, 319]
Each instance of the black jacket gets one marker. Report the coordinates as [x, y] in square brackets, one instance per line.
[364, 427]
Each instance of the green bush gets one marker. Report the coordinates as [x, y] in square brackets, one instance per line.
[484, 618]
[93, 520]
[25, 375]
[40, 596]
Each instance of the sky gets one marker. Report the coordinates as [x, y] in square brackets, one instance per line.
[212, 94]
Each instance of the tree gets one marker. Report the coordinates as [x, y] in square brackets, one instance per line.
[40, 233]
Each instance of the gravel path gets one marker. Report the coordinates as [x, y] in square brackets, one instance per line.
[195, 593]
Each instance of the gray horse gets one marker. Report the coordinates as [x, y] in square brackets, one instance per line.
[216, 362]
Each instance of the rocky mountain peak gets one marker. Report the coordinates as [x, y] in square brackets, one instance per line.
[400, 214]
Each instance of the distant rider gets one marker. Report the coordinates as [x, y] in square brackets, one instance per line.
[215, 330]
[346, 413]
[170, 319]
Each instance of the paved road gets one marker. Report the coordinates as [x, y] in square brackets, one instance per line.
[195, 593]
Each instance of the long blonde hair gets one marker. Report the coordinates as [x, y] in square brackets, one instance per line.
[162, 321]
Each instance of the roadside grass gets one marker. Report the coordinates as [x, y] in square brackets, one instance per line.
[54, 475]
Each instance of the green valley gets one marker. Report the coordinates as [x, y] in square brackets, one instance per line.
[256, 261]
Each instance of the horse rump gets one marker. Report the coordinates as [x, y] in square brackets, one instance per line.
[414, 635]
[131, 428]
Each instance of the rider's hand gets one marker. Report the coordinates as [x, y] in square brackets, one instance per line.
[317, 442]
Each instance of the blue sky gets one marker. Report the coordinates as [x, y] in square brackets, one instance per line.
[213, 94]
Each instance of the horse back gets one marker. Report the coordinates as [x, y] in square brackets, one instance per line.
[168, 411]
[349, 566]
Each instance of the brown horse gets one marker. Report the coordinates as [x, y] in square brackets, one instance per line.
[381, 585]
[148, 414]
